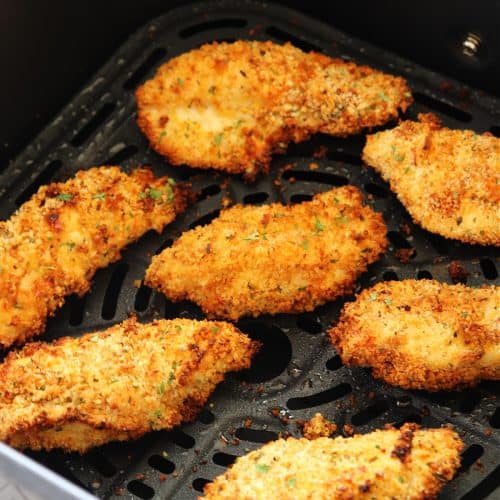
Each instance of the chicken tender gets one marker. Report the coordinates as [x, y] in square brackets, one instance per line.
[448, 180]
[423, 334]
[115, 385]
[274, 258]
[229, 106]
[407, 463]
[52, 246]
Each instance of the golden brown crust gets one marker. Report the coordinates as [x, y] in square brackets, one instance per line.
[423, 334]
[363, 466]
[117, 384]
[448, 180]
[318, 426]
[52, 246]
[229, 106]
[274, 258]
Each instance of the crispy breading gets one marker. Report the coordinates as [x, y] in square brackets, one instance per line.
[229, 106]
[407, 463]
[318, 426]
[423, 334]
[448, 180]
[52, 246]
[118, 384]
[272, 259]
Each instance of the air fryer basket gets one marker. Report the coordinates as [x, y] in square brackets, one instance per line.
[298, 372]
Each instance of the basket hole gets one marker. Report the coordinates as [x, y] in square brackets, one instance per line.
[390, 276]
[181, 439]
[470, 399]
[412, 418]
[485, 487]
[122, 155]
[255, 198]
[274, 355]
[224, 459]
[205, 219]
[495, 130]
[424, 275]
[255, 435]
[314, 176]
[376, 190]
[470, 455]
[140, 490]
[370, 413]
[319, 398]
[495, 419]
[300, 198]
[93, 124]
[345, 157]
[166, 244]
[42, 178]
[151, 61]
[142, 298]
[285, 36]
[113, 291]
[309, 323]
[199, 483]
[212, 25]
[334, 363]
[76, 309]
[101, 464]
[205, 416]
[161, 464]
[398, 240]
[442, 107]
[488, 268]
[208, 191]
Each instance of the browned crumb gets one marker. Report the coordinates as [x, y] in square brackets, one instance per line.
[404, 255]
[318, 426]
[458, 272]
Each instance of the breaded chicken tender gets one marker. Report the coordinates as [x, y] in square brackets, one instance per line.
[229, 106]
[52, 246]
[448, 180]
[408, 463]
[117, 384]
[274, 258]
[423, 334]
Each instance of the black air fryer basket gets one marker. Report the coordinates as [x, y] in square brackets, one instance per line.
[297, 373]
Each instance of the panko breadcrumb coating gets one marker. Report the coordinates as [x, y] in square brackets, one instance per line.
[253, 260]
[52, 246]
[407, 463]
[448, 180]
[318, 426]
[229, 106]
[423, 334]
[115, 385]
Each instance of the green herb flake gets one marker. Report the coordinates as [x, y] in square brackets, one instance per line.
[388, 301]
[373, 296]
[218, 138]
[262, 468]
[180, 82]
[99, 196]
[157, 414]
[383, 96]
[215, 329]
[464, 314]
[64, 196]
[342, 219]
[70, 245]
[318, 225]
[290, 482]
[407, 169]
[336, 200]
[455, 195]
[171, 376]
[397, 154]
[179, 328]
[171, 181]
[169, 192]
[407, 94]
[161, 137]
[305, 245]
[114, 380]
[161, 388]
[251, 237]
[154, 194]
[401, 479]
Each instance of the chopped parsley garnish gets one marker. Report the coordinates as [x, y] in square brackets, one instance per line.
[388, 301]
[99, 196]
[161, 136]
[318, 225]
[373, 296]
[336, 200]
[291, 482]
[251, 237]
[157, 414]
[305, 244]
[180, 81]
[262, 468]
[179, 328]
[464, 314]
[407, 169]
[171, 376]
[342, 219]
[154, 194]
[383, 96]
[70, 245]
[161, 388]
[171, 181]
[215, 329]
[64, 196]
[397, 154]
[218, 139]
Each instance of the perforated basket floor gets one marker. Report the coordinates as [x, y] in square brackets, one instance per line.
[298, 372]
